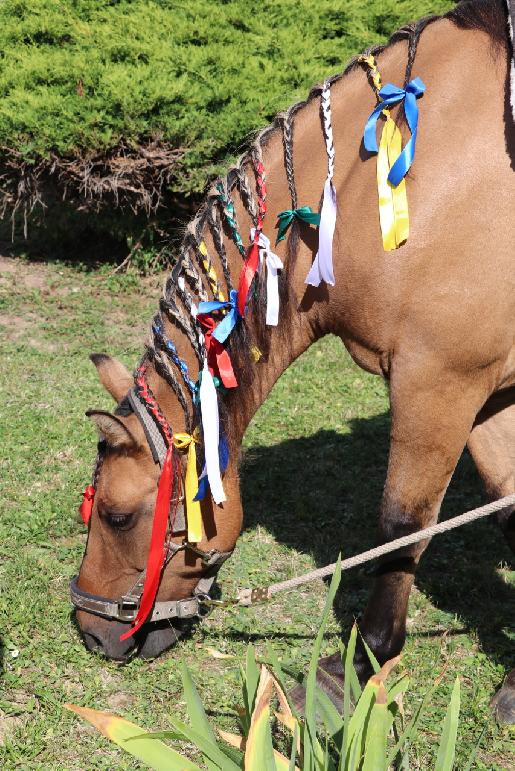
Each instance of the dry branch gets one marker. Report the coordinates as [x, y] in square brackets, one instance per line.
[127, 177]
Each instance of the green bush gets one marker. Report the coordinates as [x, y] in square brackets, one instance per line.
[81, 76]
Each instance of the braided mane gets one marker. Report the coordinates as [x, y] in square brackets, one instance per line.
[193, 269]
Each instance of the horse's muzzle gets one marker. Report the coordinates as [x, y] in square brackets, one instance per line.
[103, 636]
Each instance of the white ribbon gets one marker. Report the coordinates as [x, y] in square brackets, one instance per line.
[211, 428]
[273, 264]
[322, 268]
[182, 287]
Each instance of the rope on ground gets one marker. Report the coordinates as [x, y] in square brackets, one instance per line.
[249, 596]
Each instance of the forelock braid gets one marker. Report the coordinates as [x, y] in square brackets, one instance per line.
[147, 397]
[287, 124]
[98, 462]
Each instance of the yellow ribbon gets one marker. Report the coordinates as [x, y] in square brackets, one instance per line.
[211, 273]
[193, 513]
[393, 201]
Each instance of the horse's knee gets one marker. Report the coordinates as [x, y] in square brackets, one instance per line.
[397, 520]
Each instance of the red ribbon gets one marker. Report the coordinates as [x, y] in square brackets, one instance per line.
[157, 552]
[252, 262]
[218, 359]
[247, 273]
[86, 507]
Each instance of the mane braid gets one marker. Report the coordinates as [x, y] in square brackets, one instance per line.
[178, 319]
[245, 191]
[287, 124]
[216, 230]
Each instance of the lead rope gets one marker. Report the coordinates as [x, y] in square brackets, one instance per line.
[248, 597]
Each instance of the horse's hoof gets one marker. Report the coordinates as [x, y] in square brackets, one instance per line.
[329, 680]
[503, 703]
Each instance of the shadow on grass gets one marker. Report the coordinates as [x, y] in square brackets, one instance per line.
[321, 495]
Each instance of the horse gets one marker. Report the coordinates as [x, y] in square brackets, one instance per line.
[435, 318]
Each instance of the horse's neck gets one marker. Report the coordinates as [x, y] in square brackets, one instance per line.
[302, 319]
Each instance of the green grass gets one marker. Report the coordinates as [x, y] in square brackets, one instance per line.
[314, 465]
[81, 75]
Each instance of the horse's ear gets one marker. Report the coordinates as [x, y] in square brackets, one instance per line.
[112, 429]
[114, 376]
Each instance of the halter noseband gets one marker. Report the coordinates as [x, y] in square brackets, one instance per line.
[125, 609]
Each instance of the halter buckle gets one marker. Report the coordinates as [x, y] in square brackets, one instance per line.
[127, 609]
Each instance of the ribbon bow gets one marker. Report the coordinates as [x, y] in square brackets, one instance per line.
[273, 264]
[391, 95]
[215, 335]
[225, 327]
[185, 441]
[286, 217]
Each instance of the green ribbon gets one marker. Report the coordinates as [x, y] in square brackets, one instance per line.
[196, 390]
[285, 218]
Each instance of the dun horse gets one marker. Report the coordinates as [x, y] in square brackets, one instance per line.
[435, 318]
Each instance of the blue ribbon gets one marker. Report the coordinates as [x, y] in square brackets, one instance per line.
[223, 457]
[390, 95]
[226, 326]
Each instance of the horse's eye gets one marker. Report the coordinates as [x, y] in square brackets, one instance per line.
[118, 521]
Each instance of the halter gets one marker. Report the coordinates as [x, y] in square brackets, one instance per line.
[141, 402]
[126, 608]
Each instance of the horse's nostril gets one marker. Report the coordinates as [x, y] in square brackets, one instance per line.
[92, 643]
[105, 639]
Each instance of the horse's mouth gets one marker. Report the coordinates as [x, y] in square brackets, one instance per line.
[148, 643]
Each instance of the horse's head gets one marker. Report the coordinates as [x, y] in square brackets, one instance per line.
[109, 587]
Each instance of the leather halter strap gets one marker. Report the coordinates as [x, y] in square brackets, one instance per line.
[126, 607]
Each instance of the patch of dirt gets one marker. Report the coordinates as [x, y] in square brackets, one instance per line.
[15, 326]
[120, 701]
[8, 725]
[32, 277]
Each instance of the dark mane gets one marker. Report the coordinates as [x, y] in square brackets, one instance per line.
[189, 274]
[484, 15]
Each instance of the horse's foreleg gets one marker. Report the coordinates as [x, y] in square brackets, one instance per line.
[431, 420]
[432, 415]
[492, 445]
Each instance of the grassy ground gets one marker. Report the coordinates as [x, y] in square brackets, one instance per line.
[333, 429]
